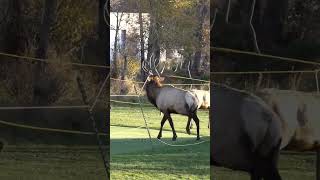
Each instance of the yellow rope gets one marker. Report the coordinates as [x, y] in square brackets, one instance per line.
[124, 102]
[49, 129]
[53, 62]
[181, 77]
[140, 82]
[42, 107]
[265, 72]
[227, 50]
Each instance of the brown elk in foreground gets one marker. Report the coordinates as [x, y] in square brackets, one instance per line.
[169, 99]
[245, 133]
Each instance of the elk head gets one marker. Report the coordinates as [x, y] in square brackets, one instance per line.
[151, 67]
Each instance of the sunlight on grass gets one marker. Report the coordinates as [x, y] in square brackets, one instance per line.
[133, 156]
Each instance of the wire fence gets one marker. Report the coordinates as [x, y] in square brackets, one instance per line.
[17, 125]
[32, 59]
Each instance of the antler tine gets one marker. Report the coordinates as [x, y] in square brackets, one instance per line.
[176, 69]
[144, 66]
[163, 68]
[154, 62]
[189, 63]
[155, 67]
[150, 61]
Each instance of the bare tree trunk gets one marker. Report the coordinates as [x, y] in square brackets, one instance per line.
[153, 40]
[142, 73]
[14, 36]
[102, 24]
[115, 49]
[125, 63]
[201, 13]
[41, 87]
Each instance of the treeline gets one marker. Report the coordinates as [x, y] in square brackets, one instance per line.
[170, 28]
[288, 28]
[56, 30]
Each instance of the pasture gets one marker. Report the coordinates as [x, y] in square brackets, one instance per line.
[133, 156]
[293, 166]
[51, 162]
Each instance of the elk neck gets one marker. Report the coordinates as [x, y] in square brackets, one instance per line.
[153, 90]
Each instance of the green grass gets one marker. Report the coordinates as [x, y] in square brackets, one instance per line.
[51, 163]
[292, 167]
[133, 156]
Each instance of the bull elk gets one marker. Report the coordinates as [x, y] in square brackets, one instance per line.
[169, 99]
[245, 133]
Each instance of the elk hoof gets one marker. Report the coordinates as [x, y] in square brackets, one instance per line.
[174, 138]
[159, 136]
[198, 138]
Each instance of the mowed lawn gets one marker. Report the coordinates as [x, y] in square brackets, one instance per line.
[293, 166]
[133, 156]
[39, 162]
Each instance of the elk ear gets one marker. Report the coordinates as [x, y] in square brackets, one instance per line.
[161, 78]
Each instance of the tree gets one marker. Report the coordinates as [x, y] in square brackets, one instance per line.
[41, 87]
[142, 73]
[153, 40]
[115, 45]
[202, 12]
[15, 38]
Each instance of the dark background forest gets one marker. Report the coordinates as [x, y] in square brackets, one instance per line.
[59, 32]
[287, 28]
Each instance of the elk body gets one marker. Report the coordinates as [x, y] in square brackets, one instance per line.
[204, 103]
[245, 133]
[299, 116]
[169, 99]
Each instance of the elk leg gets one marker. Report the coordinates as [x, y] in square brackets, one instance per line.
[172, 127]
[189, 123]
[190, 126]
[196, 120]
[162, 123]
[254, 176]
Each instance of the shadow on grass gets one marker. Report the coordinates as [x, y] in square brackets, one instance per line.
[142, 156]
[145, 146]
[292, 166]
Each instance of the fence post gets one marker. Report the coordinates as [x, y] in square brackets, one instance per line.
[95, 128]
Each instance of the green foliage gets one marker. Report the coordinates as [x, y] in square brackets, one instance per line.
[76, 20]
[133, 68]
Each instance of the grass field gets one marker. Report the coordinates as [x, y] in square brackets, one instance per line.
[51, 163]
[292, 167]
[133, 156]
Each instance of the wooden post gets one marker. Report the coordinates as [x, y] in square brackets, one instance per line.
[318, 164]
